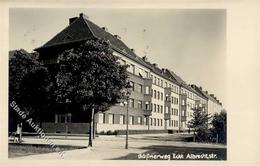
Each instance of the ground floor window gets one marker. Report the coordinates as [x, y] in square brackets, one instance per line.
[110, 118]
[101, 118]
[131, 120]
[63, 118]
[139, 121]
[122, 119]
[145, 122]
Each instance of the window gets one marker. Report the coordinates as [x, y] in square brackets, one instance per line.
[158, 95]
[151, 121]
[173, 99]
[141, 72]
[158, 81]
[131, 68]
[161, 96]
[158, 122]
[166, 110]
[110, 118]
[161, 109]
[154, 94]
[154, 121]
[173, 113]
[146, 74]
[101, 118]
[131, 120]
[139, 120]
[166, 84]
[131, 103]
[139, 104]
[139, 88]
[176, 112]
[154, 107]
[121, 119]
[183, 102]
[161, 122]
[132, 84]
[147, 105]
[145, 122]
[158, 108]
[63, 118]
[123, 62]
[161, 82]
[155, 80]
[147, 90]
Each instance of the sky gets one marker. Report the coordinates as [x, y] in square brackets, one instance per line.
[190, 42]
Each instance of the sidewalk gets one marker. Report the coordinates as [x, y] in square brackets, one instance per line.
[112, 147]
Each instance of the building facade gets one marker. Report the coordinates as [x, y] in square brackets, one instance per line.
[159, 100]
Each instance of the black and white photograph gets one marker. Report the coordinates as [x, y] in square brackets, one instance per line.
[91, 84]
[130, 84]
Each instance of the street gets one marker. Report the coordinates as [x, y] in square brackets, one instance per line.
[141, 147]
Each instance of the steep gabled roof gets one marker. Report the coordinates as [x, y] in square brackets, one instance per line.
[177, 78]
[82, 29]
[78, 30]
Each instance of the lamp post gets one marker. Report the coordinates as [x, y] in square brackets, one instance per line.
[127, 94]
[127, 122]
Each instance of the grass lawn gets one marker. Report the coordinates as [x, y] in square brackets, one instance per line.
[18, 150]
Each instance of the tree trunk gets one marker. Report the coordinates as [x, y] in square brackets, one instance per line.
[94, 127]
[91, 127]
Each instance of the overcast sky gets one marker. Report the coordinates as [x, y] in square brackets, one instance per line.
[191, 42]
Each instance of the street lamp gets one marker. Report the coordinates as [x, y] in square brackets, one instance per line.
[127, 93]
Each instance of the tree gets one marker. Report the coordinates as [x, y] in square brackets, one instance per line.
[91, 76]
[219, 126]
[28, 84]
[199, 123]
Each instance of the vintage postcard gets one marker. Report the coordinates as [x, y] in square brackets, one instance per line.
[129, 83]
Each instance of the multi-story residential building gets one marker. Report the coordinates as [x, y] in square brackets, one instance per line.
[159, 100]
[213, 104]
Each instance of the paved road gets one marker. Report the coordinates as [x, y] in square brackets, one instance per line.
[152, 146]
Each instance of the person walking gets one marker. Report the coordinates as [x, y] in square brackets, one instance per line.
[19, 132]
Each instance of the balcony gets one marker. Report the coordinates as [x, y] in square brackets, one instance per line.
[147, 97]
[147, 112]
[148, 82]
[167, 116]
[183, 118]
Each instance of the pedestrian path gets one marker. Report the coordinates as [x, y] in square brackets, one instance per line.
[111, 147]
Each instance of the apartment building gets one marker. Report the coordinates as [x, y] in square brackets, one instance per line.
[159, 100]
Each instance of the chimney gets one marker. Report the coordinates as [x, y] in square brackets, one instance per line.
[145, 58]
[71, 20]
[155, 64]
[104, 28]
[117, 36]
[83, 15]
[200, 88]
[206, 92]
[133, 50]
[163, 70]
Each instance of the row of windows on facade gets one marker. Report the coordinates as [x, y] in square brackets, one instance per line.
[157, 81]
[140, 120]
[159, 109]
[145, 74]
[155, 94]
